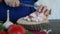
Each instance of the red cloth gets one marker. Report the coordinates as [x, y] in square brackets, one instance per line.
[37, 32]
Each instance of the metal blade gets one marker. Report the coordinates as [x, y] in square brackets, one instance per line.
[28, 5]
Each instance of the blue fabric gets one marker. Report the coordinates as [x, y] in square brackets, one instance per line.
[17, 12]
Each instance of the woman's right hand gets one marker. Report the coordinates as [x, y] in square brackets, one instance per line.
[12, 3]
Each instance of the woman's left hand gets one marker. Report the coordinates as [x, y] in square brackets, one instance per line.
[44, 10]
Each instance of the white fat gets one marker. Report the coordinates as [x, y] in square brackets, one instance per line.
[40, 17]
[34, 19]
[33, 14]
[27, 18]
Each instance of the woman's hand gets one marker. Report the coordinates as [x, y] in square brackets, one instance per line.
[44, 10]
[12, 3]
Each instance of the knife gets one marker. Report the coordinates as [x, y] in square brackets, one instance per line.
[28, 5]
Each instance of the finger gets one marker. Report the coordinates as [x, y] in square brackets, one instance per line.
[47, 12]
[44, 9]
[40, 8]
[13, 5]
[17, 3]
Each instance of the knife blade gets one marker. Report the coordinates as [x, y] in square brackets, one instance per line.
[28, 5]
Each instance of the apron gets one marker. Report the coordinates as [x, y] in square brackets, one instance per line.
[17, 12]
